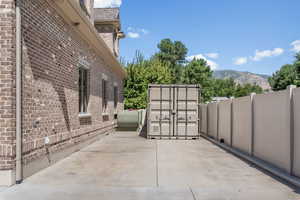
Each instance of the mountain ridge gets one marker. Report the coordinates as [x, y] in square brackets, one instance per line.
[241, 77]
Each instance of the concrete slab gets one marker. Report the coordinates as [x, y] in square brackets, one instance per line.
[118, 160]
[94, 192]
[125, 166]
[200, 164]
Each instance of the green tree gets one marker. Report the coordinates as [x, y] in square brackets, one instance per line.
[199, 72]
[297, 82]
[286, 76]
[172, 54]
[297, 57]
[297, 66]
[246, 90]
[223, 87]
[228, 88]
[141, 73]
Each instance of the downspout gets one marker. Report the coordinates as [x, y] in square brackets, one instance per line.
[19, 169]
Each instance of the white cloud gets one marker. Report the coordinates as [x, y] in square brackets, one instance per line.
[107, 3]
[267, 53]
[133, 35]
[211, 63]
[240, 60]
[296, 46]
[212, 55]
[136, 32]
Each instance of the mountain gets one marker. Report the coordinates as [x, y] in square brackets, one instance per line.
[244, 77]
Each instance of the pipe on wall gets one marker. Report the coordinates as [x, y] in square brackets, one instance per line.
[19, 175]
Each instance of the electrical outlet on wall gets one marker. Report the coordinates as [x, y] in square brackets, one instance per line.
[47, 140]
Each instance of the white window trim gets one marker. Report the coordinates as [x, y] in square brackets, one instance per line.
[84, 115]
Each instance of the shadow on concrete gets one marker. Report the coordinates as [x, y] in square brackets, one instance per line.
[127, 129]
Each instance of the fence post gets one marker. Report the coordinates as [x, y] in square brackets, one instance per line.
[207, 119]
[291, 119]
[252, 97]
[218, 119]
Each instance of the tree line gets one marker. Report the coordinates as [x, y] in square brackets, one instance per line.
[169, 66]
[288, 74]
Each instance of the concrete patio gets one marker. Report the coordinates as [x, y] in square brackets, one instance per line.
[128, 167]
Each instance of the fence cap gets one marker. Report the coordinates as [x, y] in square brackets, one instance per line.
[291, 87]
[174, 85]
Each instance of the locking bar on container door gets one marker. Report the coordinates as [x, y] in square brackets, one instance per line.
[177, 91]
[186, 108]
[173, 110]
[160, 111]
[170, 110]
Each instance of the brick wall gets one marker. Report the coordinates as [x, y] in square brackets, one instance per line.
[52, 50]
[7, 91]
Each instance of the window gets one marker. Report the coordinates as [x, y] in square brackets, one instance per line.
[104, 95]
[83, 89]
[115, 97]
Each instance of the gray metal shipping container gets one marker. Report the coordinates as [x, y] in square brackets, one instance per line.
[173, 112]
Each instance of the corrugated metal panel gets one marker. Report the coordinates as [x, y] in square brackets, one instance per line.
[173, 111]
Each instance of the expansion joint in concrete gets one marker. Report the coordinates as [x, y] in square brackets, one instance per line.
[156, 157]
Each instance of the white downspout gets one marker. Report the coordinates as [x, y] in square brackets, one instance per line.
[19, 175]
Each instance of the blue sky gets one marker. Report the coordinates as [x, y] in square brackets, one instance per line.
[248, 35]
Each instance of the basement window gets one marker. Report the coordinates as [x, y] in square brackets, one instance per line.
[83, 90]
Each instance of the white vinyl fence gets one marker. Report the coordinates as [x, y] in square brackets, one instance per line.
[263, 126]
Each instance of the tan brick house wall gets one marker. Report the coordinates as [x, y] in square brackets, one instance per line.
[52, 53]
[7, 91]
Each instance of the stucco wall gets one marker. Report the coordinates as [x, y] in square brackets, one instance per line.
[272, 128]
[296, 169]
[212, 120]
[225, 121]
[241, 130]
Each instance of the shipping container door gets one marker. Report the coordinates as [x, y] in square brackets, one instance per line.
[186, 117]
[161, 111]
